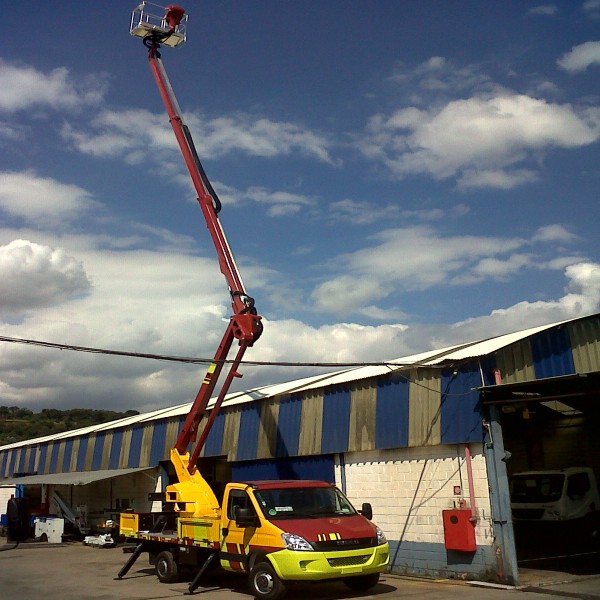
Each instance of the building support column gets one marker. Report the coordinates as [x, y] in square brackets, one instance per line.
[504, 537]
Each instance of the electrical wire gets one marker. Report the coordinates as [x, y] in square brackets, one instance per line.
[393, 366]
[195, 360]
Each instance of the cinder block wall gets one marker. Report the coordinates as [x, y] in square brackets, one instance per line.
[408, 489]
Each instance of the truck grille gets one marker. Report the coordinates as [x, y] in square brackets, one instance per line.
[345, 544]
[348, 561]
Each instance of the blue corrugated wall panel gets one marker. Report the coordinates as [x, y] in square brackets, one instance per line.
[66, 463]
[552, 354]
[32, 456]
[53, 458]
[248, 435]
[310, 467]
[42, 462]
[115, 449]
[157, 447]
[135, 447]
[83, 446]
[4, 461]
[336, 420]
[13, 458]
[461, 418]
[22, 459]
[98, 450]
[288, 425]
[391, 412]
[214, 440]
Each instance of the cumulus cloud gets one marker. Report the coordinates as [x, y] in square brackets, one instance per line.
[579, 58]
[174, 303]
[439, 77]
[553, 233]
[136, 133]
[23, 87]
[279, 203]
[543, 9]
[420, 258]
[479, 140]
[32, 276]
[591, 8]
[39, 200]
[582, 297]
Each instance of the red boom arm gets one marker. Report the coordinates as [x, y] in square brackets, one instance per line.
[245, 324]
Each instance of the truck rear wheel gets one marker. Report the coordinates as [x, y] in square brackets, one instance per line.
[166, 567]
[265, 583]
[361, 583]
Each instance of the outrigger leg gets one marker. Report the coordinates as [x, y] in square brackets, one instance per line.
[196, 583]
[134, 556]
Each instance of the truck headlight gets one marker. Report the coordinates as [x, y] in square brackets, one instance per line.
[295, 542]
[381, 539]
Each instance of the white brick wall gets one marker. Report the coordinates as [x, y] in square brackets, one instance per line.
[409, 488]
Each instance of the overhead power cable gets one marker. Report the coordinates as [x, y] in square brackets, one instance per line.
[193, 360]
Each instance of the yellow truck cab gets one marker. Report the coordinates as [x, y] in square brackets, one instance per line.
[276, 532]
[281, 531]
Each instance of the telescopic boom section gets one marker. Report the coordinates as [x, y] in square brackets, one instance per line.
[245, 325]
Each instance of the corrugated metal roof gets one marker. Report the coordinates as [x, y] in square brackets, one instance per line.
[79, 478]
[433, 358]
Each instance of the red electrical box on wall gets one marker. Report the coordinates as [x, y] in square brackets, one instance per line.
[459, 530]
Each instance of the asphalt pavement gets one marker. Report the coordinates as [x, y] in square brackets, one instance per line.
[73, 571]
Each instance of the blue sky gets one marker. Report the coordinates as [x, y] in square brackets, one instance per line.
[395, 177]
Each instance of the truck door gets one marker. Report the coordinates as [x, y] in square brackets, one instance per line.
[578, 499]
[235, 540]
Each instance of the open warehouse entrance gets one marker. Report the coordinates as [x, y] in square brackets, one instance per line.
[550, 432]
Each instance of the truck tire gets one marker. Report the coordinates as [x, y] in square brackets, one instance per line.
[264, 582]
[362, 583]
[166, 567]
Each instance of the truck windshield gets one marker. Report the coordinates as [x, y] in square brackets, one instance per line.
[536, 487]
[294, 503]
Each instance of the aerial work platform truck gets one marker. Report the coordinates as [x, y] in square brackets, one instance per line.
[276, 532]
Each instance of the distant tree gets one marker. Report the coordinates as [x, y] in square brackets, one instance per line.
[19, 424]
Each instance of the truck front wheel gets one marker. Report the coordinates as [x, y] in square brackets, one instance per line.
[166, 567]
[264, 582]
[361, 583]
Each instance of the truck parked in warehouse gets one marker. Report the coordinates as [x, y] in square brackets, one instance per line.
[557, 502]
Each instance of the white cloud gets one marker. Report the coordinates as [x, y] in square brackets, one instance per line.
[553, 233]
[480, 140]
[579, 58]
[33, 276]
[543, 9]
[279, 203]
[23, 87]
[437, 76]
[494, 268]
[501, 179]
[582, 297]
[416, 258]
[175, 303]
[135, 133]
[41, 200]
[344, 293]
[420, 258]
[592, 8]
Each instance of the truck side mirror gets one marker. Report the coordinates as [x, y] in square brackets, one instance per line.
[246, 517]
[367, 511]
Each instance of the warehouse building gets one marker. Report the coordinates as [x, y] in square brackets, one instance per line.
[429, 441]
